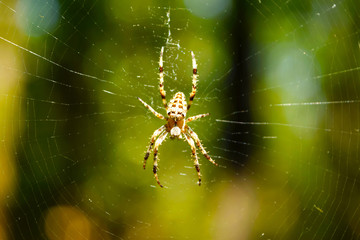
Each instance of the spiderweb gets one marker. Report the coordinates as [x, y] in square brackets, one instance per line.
[280, 80]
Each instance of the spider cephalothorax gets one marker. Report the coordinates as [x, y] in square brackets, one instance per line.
[176, 121]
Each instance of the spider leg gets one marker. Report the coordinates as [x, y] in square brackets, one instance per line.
[193, 151]
[157, 144]
[156, 133]
[198, 143]
[161, 73]
[196, 117]
[194, 80]
[151, 109]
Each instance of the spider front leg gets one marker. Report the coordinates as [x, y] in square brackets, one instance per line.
[157, 144]
[198, 143]
[161, 74]
[193, 118]
[158, 115]
[193, 151]
[156, 133]
[194, 80]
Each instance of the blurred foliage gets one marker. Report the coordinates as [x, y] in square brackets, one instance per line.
[280, 80]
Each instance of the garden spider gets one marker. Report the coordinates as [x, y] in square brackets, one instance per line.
[176, 123]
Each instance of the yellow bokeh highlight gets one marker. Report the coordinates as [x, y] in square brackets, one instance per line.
[9, 86]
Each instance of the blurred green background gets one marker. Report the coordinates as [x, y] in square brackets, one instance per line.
[279, 79]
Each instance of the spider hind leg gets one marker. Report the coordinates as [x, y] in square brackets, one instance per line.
[156, 133]
[193, 152]
[200, 146]
[157, 145]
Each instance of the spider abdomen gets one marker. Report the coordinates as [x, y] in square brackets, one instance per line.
[177, 106]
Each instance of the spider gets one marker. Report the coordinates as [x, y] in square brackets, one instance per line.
[176, 121]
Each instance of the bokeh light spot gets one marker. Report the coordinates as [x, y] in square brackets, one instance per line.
[208, 9]
[67, 222]
[292, 70]
[37, 17]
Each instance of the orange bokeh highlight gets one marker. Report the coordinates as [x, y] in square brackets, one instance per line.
[67, 222]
